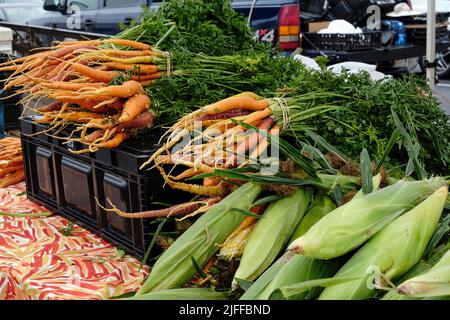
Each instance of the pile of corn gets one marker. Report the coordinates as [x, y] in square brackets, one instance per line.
[304, 246]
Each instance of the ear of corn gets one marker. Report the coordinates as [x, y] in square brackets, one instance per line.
[235, 243]
[376, 180]
[350, 225]
[264, 280]
[392, 252]
[175, 267]
[181, 294]
[271, 234]
[433, 283]
[300, 269]
[320, 207]
[422, 267]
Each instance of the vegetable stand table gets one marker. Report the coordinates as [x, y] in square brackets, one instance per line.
[45, 257]
[379, 54]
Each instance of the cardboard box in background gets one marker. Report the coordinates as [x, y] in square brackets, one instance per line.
[316, 26]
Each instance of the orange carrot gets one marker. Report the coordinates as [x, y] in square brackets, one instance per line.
[93, 106]
[12, 179]
[146, 83]
[54, 106]
[147, 76]
[125, 90]
[235, 103]
[130, 53]
[143, 68]
[84, 42]
[96, 75]
[114, 142]
[71, 86]
[134, 107]
[8, 170]
[57, 69]
[129, 43]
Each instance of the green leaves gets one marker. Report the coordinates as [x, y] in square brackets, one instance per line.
[413, 150]
[325, 145]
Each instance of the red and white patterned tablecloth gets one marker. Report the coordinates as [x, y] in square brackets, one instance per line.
[38, 262]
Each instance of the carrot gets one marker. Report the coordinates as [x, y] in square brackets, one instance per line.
[77, 116]
[144, 68]
[128, 43]
[174, 211]
[114, 142]
[23, 59]
[71, 86]
[212, 191]
[58, 53]
[133, 60]
[96, 107]
[210, 181]
[125, 90]
[85, 42]
[261, 147]
[12, 162]
[12, 179]
[144, 120]
[134, 107]
[96, 75]
[185, 174]
[146, 83]
[147, 76]
[57, 69]
[8, 170]
[75, 97]
[130, 53]
[235, 103]
[10, 68]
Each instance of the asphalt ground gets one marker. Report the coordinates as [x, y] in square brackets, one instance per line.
[442, 92]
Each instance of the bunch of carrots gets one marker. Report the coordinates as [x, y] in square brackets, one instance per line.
[96, 84]
[11, 162]
[231, 133]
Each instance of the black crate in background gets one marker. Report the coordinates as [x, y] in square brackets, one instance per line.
[341, 42]
[11, 109]
[69, 183]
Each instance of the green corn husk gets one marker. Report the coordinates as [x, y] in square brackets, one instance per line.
[433, 283]
[420, 268]
[347, 183]
[300, 269]
[254, 291]
[376, 181]
[175, 267]
[181, 294]
[350, 225]
[392, 252]
[320, 207]
[271, 234]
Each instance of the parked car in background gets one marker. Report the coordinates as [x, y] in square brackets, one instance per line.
[442, 58]
[276, 21]
[21, 11]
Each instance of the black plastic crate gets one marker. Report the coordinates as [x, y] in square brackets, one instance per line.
[10, 101]
[341, 42]
[69, 184]
[419, 35]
